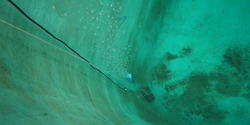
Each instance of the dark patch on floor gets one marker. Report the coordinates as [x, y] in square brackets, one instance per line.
[196, 100]
[147, 94]
[162, 73]
[4, 74]
[45, 114]
[186, 51]
[233, 57]
[224, 85]
[229, 89]
[169, 56]
[238, 58]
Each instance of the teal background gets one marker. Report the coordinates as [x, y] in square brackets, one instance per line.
[190, 62]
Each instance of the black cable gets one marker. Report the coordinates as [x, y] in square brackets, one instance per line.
[61, 41]
[40, 26]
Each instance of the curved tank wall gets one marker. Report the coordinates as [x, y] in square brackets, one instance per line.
[187, 62]
[42, 82]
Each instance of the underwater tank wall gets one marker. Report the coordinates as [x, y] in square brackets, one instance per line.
[143, 62]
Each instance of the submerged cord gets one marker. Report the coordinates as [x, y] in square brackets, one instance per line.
[62, 42]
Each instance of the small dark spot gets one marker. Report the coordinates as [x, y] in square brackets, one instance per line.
[162, 72]
[5, 74]
[233, 58]
[45, 114]
[169, 88]
[186, 51]
[170, 56]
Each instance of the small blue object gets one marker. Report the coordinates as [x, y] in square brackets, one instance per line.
[129, 77]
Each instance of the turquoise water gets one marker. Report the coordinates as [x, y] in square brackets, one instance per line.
[160, 62]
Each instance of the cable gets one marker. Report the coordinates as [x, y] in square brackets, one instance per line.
[40, 26]
[62, 42]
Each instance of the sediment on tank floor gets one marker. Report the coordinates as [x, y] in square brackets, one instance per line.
[122, 62]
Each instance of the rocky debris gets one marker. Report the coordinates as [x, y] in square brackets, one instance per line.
[147, 94]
